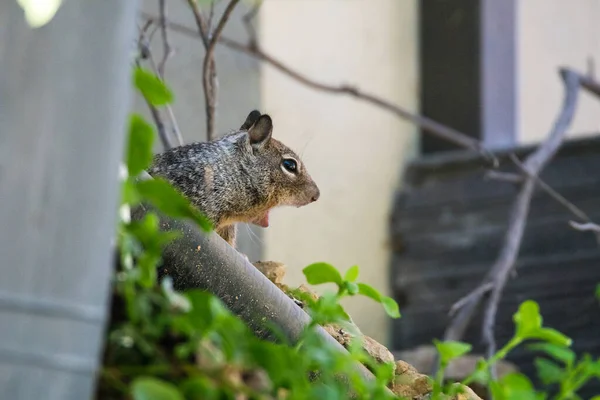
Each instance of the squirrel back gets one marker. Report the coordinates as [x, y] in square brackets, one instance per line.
[239, 177]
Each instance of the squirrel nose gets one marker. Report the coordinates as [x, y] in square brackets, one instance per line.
[316, 195]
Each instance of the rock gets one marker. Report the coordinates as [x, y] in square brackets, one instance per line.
[376, 350]
[409, 383]
[274, 271]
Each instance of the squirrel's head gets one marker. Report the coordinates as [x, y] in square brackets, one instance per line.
[289, 182]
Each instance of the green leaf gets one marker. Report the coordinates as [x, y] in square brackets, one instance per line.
[527, 319]
[548, 371]
[327, 310]
[598, 291]
[559, 353]
[152, 87]
[516, 386]
[552, 336]
[450, 350]
[481, 374]
[369, 291]
[390, 306]
[148, 388]
[352, 288]
[200, 388]
[147, 232]
[497, 391]
[171, 202]
[319, 273]
[139, 148]
[352, 274]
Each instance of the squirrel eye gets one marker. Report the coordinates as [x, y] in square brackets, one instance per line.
[289, 164]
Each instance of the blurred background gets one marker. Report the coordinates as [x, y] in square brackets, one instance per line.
[422, 218]
[413, 211]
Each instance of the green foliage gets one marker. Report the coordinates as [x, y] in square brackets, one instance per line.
[515, 386]
[164, 344]
[569, 377]
[149, 388]
[450, 350]
[152, 87]
[172, 203]
[319, 273]
[139, 148]
[563, 370]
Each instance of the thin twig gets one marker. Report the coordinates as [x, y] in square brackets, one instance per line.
[499, 273]
[202, 31]
[209, 80]
[248, 17]
[518, 179]
[585, 227]
[211, 14]
[167, 50]
[477, 293]
[165, 138]
[576, 211]
[427, 124]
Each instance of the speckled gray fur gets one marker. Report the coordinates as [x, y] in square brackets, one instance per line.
[238, 177]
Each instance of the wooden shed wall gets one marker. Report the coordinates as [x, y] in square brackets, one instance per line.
[447, 228]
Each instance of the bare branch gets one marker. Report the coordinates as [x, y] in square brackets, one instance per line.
[211, 14]
[209, 80]
[202, 31]
[576, 211]
[431, 126]
[160, 126]
[167, 51]
[475, 295]
[509, 177]
[500, 271]
[209, 71]
[248, 17]
[166, 140]
[590, 85]
[427, 124]
[585, 227]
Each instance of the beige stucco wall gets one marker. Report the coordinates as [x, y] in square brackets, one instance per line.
[554, 33]
[353, 150]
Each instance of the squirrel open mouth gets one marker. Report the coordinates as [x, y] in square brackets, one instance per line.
[262, 220]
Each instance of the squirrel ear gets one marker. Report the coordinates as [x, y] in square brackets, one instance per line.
[260, 131]
[250, 120]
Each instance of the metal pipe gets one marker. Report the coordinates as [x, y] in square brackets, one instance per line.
[65, 91]
[205, 261]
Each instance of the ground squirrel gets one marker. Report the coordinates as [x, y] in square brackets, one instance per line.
[239, 177]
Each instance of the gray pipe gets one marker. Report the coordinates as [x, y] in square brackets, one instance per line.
[65, 91]
[205, 261]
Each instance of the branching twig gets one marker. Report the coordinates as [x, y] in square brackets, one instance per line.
[211, 15]
[427, 124]
[248, 17]
[586, 227]
[501, 270]
[519, 178]
[203, 30]
[165, 138]
[209, 80]
[209, 71]
[498, 275]
[167, 51]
